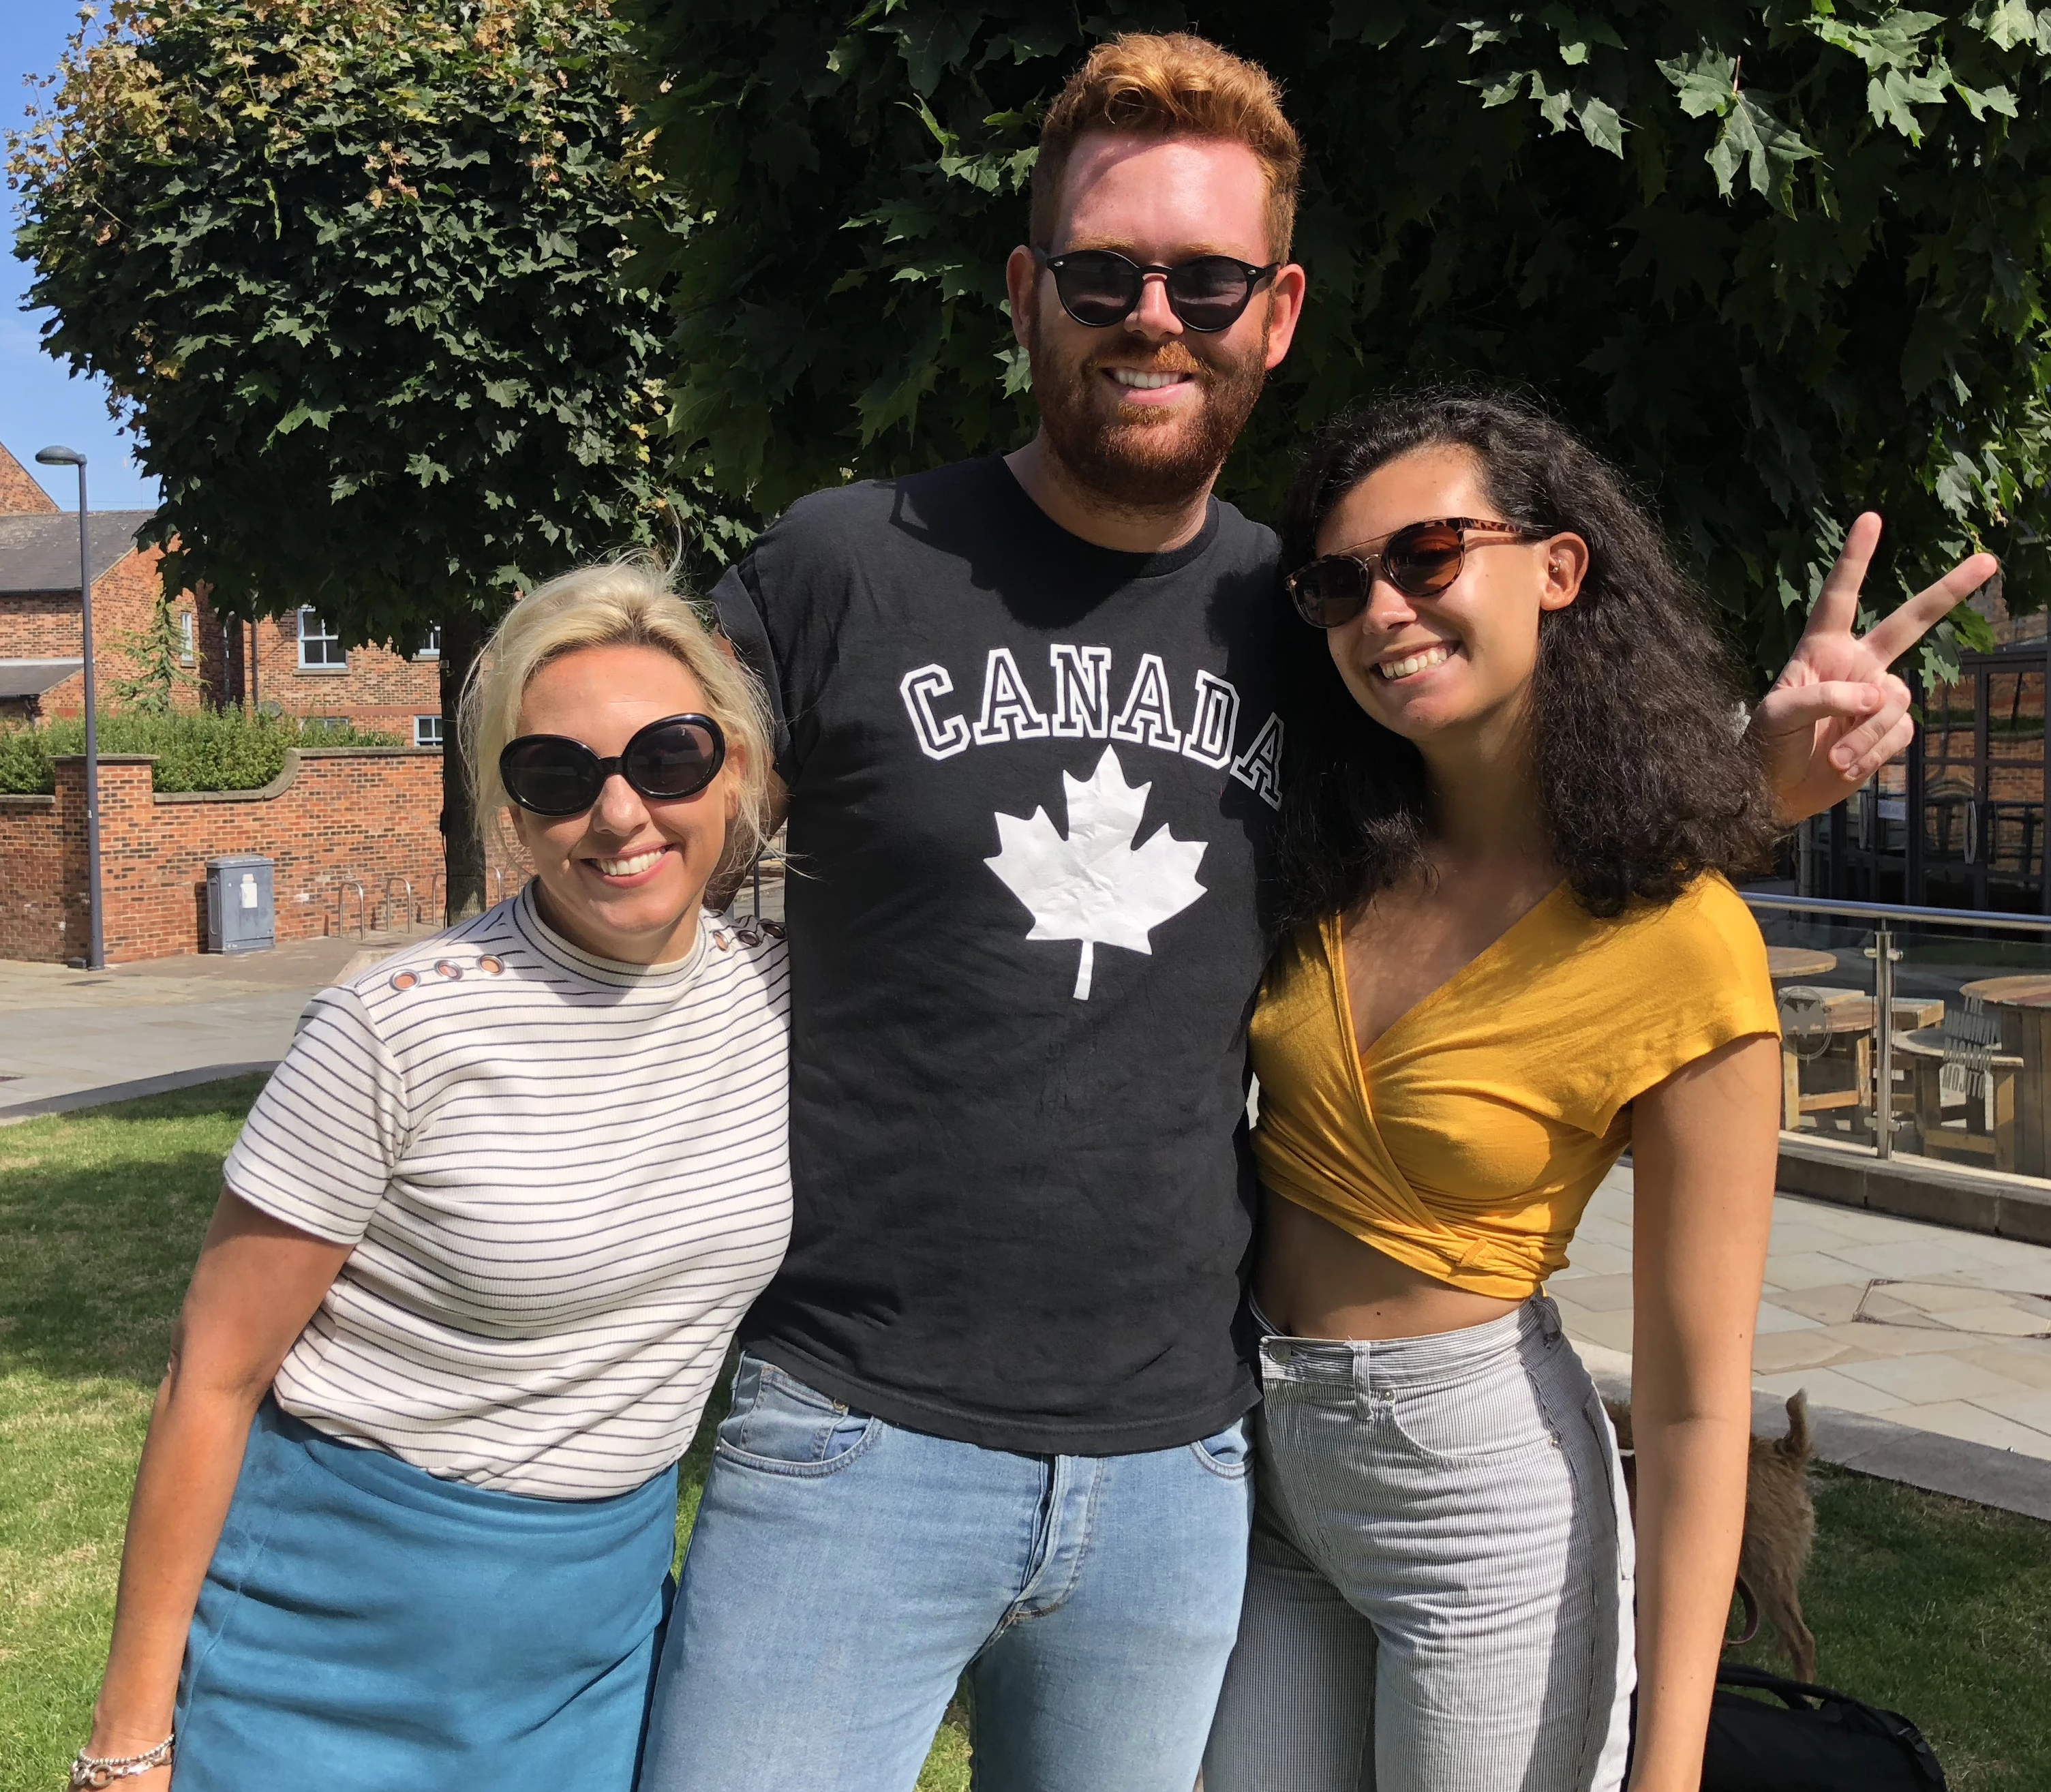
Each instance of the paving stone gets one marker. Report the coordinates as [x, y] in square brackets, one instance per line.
[1927, 1380]
[1611, 1329]
[1774, 1317]
[1944, 1297]
[1825, 1388]
[1810, 1269]
[1792, 1350]
[1593, 1256]
[1878, 1343]
[1792, 1236]
[2030, 1364]
[1960, 1419]
[1599, 1293]
[1911, 1257]
[2004, 1320]
[2033, 1409]
[1830, 1304]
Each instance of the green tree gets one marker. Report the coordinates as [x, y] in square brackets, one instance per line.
[1783, 261]
[156, 652]
[353, 269]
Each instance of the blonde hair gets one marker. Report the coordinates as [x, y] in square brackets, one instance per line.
[620, 603]
[1171, 84]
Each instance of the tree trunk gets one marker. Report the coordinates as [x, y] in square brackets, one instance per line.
[462, 639]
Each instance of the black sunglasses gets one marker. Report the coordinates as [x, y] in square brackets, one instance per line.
[1420, 560]
[551, 775]
[1101, 287]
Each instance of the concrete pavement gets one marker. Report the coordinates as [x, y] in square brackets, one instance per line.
[72, 1039]
[1925, 1353]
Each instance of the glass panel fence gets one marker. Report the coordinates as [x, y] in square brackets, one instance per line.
[1914, 1034]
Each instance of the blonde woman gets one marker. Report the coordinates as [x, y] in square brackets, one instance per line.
[407, 1502]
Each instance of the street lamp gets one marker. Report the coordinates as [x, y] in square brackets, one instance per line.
[96, 957]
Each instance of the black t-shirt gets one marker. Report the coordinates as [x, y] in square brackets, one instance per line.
[1030, 782]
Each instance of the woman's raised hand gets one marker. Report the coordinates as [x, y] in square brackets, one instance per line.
[1836, 714]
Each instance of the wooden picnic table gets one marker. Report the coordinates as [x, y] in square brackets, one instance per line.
[1784, 961]
[1840, 1075]
[2024, 1006]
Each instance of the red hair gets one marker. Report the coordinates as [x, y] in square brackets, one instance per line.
[1174, 84]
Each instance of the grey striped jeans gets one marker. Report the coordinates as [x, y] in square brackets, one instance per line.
[1439, 1598]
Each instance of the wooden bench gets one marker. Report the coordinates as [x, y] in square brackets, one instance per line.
[1988, 1134]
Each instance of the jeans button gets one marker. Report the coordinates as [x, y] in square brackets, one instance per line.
[1277, 1351]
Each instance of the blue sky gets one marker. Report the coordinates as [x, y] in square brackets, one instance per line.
[40, 402]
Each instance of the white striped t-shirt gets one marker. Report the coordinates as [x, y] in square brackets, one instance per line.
[565, 1180]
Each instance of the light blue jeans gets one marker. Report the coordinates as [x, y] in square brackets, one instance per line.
[845, 1573]
[1440, 1594]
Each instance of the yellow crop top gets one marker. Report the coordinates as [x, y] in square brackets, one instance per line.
[1467, 1141]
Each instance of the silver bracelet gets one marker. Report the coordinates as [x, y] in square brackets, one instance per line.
[96, 1771]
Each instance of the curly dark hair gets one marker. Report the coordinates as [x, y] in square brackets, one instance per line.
[1643, 782]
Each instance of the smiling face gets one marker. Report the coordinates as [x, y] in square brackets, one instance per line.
[624, 879]
[1143, 411]
[1461, 662]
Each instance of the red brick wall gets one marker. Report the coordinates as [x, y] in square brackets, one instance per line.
[32, 851]
[20, 495]
[47, 626]
[366, 813]
[379, 688]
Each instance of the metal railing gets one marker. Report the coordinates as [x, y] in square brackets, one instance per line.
[342, 888]
[1888, 925]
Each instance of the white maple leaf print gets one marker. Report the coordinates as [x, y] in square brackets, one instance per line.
[1096, 886]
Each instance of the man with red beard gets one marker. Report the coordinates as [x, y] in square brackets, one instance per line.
[988, 1427]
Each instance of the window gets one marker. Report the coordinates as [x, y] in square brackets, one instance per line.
[427, 731]
[320, 646]
[431, 647]
[184, 637]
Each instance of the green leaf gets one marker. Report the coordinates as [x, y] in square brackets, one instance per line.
[1706, 82]
[1578, 35]
[2008, 22]
[1768, 151]
[1981, 101]
[1602, 126]
[1894, 42]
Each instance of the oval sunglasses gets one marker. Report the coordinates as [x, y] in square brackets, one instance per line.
[1421, 560]
[1100, 287]
[553, 776]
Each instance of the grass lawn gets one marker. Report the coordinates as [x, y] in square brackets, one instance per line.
[1925, 1604]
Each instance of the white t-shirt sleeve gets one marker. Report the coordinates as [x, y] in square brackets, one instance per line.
[321, 1143]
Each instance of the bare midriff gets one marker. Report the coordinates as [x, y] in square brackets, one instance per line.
[1316, 1280]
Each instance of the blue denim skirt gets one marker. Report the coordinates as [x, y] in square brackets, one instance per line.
[366, 1627]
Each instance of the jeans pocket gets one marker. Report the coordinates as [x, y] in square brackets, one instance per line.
[777, 1424]
[1229, 1453]
[1477, 1419]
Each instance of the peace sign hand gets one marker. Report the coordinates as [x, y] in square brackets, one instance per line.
[1836, 715]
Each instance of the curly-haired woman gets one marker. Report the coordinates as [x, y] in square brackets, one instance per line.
[1520, 789]
[409, 1498]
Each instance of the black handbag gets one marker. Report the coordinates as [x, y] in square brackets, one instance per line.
[1814, 1740]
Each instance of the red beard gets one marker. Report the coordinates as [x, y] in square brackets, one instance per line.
[1149, 459]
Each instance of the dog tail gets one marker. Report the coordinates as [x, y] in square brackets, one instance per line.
[1797, 1445]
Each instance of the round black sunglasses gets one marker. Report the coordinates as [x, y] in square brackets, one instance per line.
[551, 775]
[1420, 560]
[1101, 287]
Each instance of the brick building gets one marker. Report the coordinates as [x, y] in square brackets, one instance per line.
[295, 665]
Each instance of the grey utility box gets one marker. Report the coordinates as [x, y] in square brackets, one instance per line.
[240, 915]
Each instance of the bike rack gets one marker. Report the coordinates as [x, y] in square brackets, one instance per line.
[398, 877]
[341, 907]
[439, 882]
